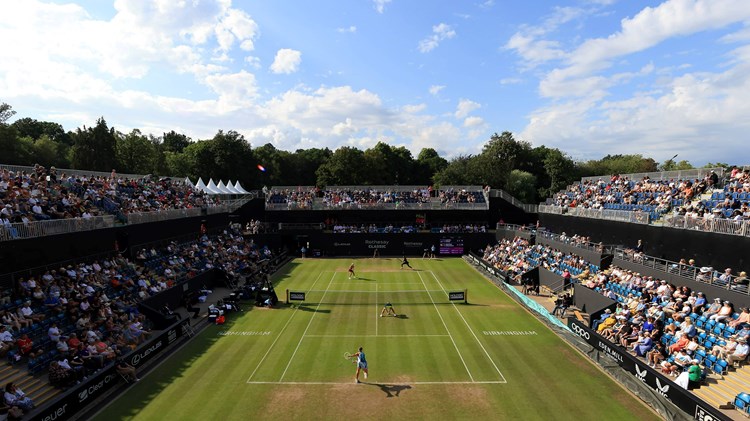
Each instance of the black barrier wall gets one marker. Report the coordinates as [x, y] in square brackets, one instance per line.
[329, 244]
[591, 302]
[707, 249]
[685, 400]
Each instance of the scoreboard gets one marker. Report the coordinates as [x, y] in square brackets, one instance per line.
[451, 246]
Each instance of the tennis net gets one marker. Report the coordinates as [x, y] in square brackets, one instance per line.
[355, 297]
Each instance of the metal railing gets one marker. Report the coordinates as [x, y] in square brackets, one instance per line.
[319, 205]
[162, 215]
[20, 230]
[317, 226]
[664, 175]
[69, 171]
[693, 273]
[608, 214]
[719, 226]
[576, 242]
[526, 207]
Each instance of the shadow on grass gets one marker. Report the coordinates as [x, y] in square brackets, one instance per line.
[402, 316]
[391, 390]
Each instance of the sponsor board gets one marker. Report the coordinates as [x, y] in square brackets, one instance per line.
[664, 386]
[376, 244]
[509, 332]
[456, 296]
[296, 296]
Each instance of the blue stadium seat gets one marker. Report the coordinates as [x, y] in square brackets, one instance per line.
[742, 402]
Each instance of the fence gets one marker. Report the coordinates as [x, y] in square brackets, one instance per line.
[719, 226]
[576, 242]
[665, 175]
[162, 215]
[68, 171]
[320, 205]
[528, 208]
[608, 214]
[21, 231]
[687, 271]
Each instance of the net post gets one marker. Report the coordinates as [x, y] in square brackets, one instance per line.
[287, 295]
[466, 296]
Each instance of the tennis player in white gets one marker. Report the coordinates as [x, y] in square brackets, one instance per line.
[361, 364]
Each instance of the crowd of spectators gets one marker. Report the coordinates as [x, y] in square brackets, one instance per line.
[646, 194]
[672, 327]
[303, 198]
[518, 256]
[78, 318]
[43, 194]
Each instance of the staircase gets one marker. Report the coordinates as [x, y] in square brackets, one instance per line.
[36, 388]
[720, 391]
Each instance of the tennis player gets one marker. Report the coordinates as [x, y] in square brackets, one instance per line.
[351, 271]
[387, 310]
[361, 364]
[406, 263]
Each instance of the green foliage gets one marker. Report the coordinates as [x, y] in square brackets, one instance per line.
[136, 154]
[670, 165]
[95, 148]
[6, 112]
[345, 167]
[175, 142]
[521, 185]
[618, 164]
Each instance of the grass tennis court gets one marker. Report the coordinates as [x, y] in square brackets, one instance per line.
[488, 358]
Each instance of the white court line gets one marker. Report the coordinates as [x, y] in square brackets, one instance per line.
[381, 382]
[370, 291]
[280, 333]
[446, 328]
[377, 316]
[308, 327]
[470, 330]
[377, 336]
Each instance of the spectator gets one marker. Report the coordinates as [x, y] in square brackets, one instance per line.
[60, 376]
[740, 352]
[743, 319]
[26, 348]
[695, 374]
[643, 345]
[657, 354]
[15, 397]
[126, 370]
[725, 312]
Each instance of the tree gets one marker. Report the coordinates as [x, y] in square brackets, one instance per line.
[457, 172]
[670, 165]
[175, 142]
[345, 167]
[6, 112]
[428, 163]
[301, 166]
[135, 153]
[522, 185]
[387, 165]
[49, 153]
[619, 164]
[95, 148]
[499, 156]
[560, 169]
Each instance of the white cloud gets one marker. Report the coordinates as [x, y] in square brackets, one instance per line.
[473, 121]
[440, 32]
[646, 29]
[286, 61]
[465, 107]
[352, 29]
[436, 89]
[380, 5]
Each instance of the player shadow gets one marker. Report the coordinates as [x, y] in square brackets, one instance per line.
[392, 390]
[401, 316]
[314, 310]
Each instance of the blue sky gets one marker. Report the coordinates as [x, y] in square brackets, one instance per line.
[590, 77]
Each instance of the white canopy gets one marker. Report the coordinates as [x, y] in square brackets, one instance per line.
[239, 188]
[211, 188]
[200, 185]
[223, 188]
[188, 182]
[231, 188]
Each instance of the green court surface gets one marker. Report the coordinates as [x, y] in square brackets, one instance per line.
[436, 359]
